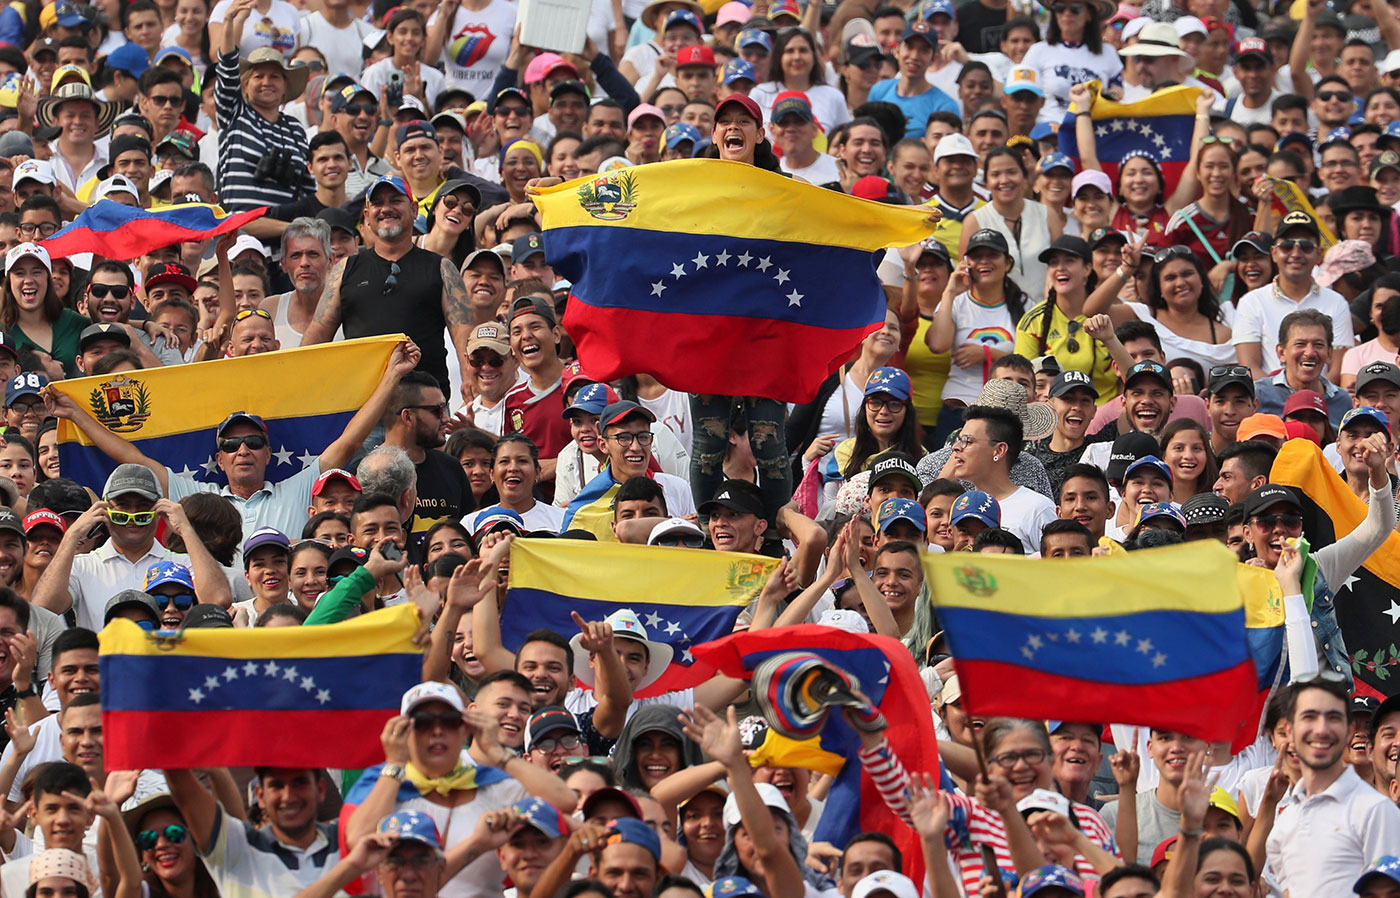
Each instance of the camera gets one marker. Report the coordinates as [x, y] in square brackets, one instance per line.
[275, 166]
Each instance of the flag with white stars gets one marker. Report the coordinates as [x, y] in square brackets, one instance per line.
[1368, 601]
[1158, 128]
[682, 597]
[1155, 637]
[306, 397]
[719, 277]
[290, 697]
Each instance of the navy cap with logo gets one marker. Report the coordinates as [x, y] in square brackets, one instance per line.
[622, 410]
[1269, 495]
[240, 418]
[1297, 220]
[533, 305]
[549, 719]
[736, 495]
[920, 30]
[1148, 369]
[207, 616]
[1072, 380]
[413, 131]
[895, 467]
[527, 246]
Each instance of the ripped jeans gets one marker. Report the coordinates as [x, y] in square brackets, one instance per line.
[765, 423]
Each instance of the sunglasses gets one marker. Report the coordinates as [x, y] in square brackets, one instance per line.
[253, 441]
[183, 601]
[148, 626]
[451, 202]
[1231, 370]
[1289, 521]
[139, 518]
[513, 111]
[1171, 252]
[1327, 95]
[146, 839]
[100, 291]
[392, 281]
[165, 100]
[358, 109]
[439, 410]
[489, 361]
[1073, 9]
[1072, 344]
[681, 541]
[247, 313]
[1306, 244]
[1213, 139]
[426, 720]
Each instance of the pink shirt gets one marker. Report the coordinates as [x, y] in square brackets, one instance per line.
[1193, 407]
[1371, 351]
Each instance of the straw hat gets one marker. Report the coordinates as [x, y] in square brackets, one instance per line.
[1037, 419]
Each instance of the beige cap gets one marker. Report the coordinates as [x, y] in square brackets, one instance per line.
[952, 691]
[490, 336]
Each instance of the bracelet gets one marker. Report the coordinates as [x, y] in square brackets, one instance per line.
[1122, 275]
[1192, 834]
[385, 124]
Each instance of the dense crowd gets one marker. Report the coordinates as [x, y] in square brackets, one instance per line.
[1097, 350]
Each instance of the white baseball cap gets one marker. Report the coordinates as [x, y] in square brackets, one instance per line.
[897, 884]
[36, 170]
[1392, 62]
[953, 145]
[843, 619]
[1131, 29]
[115, 184]
[28, 249]
[766, 791]
[674, 525]
[432, 691]
[244, 243]
[1189, 25]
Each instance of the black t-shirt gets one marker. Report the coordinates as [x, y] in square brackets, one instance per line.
[413, 305]
[980, 28]
[444, 493]
[307, 206]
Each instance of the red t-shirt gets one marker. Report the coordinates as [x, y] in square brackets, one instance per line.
[540, 416]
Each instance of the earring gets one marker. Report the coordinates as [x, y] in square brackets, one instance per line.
[996, 458]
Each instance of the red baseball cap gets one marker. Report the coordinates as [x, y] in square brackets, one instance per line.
[44, 516]
[696, 55]
[1305, 401]
[1297, 430]
[749, 106]
[335, 474]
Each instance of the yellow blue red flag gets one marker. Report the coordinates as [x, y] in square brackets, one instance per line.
[117, 231]
[1157, 635]
[1158, 127]
[719, 277]
[306, 396]
[704, 593]
[211, 698]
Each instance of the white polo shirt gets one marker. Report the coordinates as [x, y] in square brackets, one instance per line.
[102, 573]
[281, 505]
[1262, 310]
[1321, 843]
[246, 862]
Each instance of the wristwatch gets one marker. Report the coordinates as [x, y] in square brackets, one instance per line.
[27, 693]
[393, 771]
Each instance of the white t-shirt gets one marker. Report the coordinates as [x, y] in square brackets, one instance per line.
[1025, 513]
[542, 516]
[477, 45]
[643, 59]
[277, 28]
[1261, 311]
[342, 46]
[46, 748]
[376, 78]
[1062, 67]
[989, 326]
[828, 103]
[823, 170]
[672, 408]
[1246, 116]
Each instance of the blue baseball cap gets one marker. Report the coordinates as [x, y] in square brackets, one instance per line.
[979, 505]
[26, 383]
[1041, 131]
[498, 517]
[683, 17]
[240, 418]
[892, 510]
[393, 181]
[889, 380]
[1392, 129]
[1161, 510]
[526, 246]
[734, 887]
[592, 399]
[1387, 866]
[178, 52]
[1152, 369]
[920, 30]
[413, 826]
[67, 15]
[130, 58]
[1051, 876]
[754, 36]
[1056, 160]
[265, 536]
[1365, 412]
[1149, 461]
[163, 572]
[679, 133]
[540, 814]
[739, 70]
[636, 832]
[934, 7]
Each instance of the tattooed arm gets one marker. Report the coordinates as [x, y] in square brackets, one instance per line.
[457, 311]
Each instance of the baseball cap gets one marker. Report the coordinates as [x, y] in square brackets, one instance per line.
[844, 619]
[1260, 424]
[1072, 380]
[889, 380]
[766, 791]
[1305, 401]
[1258, 239]
[345, 558]
[609, 793]
[66, 14]
[265, 536]
[1255, 47]
[549, 719]
[431, 691]
[1154, 510]
[987, 238]
[1042, 131]
[1205, 508]
[633, 831]
[679, 133]
[339, 219]
[489, 336]
[920, 30]
[623, 409]
[1128, 448]
[699, 54]
[163, 572]
[115, 184]
[572, 86]
[738, 70]
[393, 182]
[532, 305]
[754, 37]
[897, 884]
[94, 332]
[10, 521]
[130, 598]
[1148, 369]
[897, 509]
[527, 246]
[894, 467]
[542, 65]
[1045, 800]
[682, 17]
[1224, 801]
[240, 417]
[36, 170]
[1052, 161]
[792, 102]
[690, 533]
[1050, 876]
[206, 615]
[1231, 374]
[498, 517]
[130, 478]
[28, 383]
[591, 398]
[30, 250]
[736, 495]
[130, 58]
[1151, 462]
[540, 814]
[335, 474]
[1023, 78]
[1365, 413]
[1270, 494]
[1384, 867]
[734, 887]
[1383, 371]
[44, 517]
[1099, 236]
[954, 145]
[642, 110]
[1091, 177]
[1297, 220]
[169, 273]
[412, 826]
[977, 505]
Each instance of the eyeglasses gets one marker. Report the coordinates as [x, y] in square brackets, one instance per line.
[486, 361]
[1306, 244]
[183, 601]
[1289, 521]
[1340, 163]
[426, 720]
[165, 100]
[392, 280]
[681, 541]
[43, 230]
[100, 291]
[568, 743]
[25, 408]
[625, 438]
[1329, 95]
[1170, 252]
[139, 518]
[146, 839]
[877, 402]
[253, 441]
[1073, 9]
[250, 312]
[513, 111]
[439, 410]
[964, 440]
[1231, 370]
[1008, 759]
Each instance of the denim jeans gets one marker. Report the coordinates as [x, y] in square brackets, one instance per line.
[765, 422]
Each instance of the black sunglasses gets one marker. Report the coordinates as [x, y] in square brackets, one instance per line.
[253, 441]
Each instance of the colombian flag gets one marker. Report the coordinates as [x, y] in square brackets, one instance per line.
[1368, 603]
[718, 277]
[1160, 126]
[890, 679]
[1159, 632]
[696, 600]
[108, 228]
[287, 697]
[306, 396]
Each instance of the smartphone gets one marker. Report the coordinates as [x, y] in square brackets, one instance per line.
[393, 92]
[390, 552]
[98, 531]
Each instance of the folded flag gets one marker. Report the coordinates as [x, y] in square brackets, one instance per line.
[1368, 603]
[170, 413]
[697, 599]
[592, 508]
[1156, 635]
[1158, 127]
[889, 678]
[211, 698]
[718, 277]
[116, 231]
[1289, 197]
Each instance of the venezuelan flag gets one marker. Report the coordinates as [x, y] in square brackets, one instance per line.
[592, 508]
[108, 228]
[1368, 603]
[703, 595]
[718, 277]
[210, 698]
[890, 679]
[306, 396]
[1289, 197]
[1157, 634]
[1160, 126]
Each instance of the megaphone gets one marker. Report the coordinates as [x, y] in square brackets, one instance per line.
[796, 690]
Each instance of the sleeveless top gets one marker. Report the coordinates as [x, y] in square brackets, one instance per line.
[1026, 270]
[413, 306]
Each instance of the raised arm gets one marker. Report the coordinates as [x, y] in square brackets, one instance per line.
[1104, 299]
[1189, 187]
[881, 618]
[1081, 104]
[210, 582]
[61, 405]
[197, 806]
[809, 537]
[120, 850]
[486, 749]
[326, 319]
[1298, 56]
[930, 811]
[464, 592]
[943, 329]
[457, 312]
[610, 686]
[402, 360]
[486, 616]
[384, 795]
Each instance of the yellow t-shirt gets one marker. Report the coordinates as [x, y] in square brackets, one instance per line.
[928, 372]
[1074, 349]
[948, 231]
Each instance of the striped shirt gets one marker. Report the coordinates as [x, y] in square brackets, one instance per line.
[984, 826]
[246, 138]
